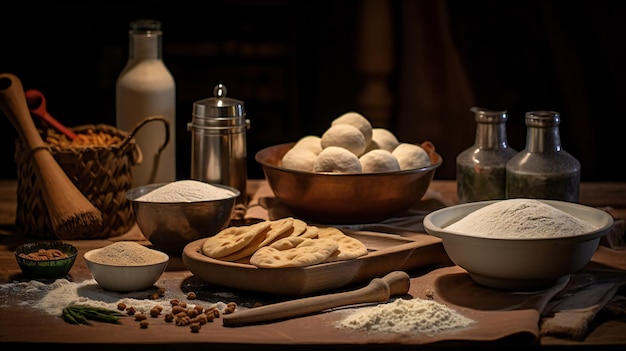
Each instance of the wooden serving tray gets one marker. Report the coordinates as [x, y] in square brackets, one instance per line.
[387, 253]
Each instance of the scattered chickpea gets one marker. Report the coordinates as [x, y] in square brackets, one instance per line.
[177, 309]
[131, 311]
[210, 317]
[174, 302]
[169, 318]
[182, 321]
[230, 308]
[161, 291]
[192, 313]
[154, 296]
[191, 295]
[121, 306]
[202, 319]
[155, 311]
[429, 293]
[144, 324]
[195, 327]
[140, 317]
[214, 312]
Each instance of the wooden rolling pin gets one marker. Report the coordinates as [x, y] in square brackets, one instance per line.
[71, 214]
[378, 290]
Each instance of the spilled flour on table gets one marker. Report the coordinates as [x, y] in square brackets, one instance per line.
[52, 298]
[406, 316]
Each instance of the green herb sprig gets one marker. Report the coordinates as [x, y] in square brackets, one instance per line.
[81, 314]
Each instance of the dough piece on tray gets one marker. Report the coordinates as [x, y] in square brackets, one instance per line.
[278, 229]
[299, 227]
[349, 247]
[232, 239]
[306, 253]
[310, 232]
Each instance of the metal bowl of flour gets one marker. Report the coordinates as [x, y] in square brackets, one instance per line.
[171, 225]
[509, 263]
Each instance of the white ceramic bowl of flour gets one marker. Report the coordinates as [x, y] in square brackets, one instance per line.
[126, 266]
[517, 248]
[171, 215]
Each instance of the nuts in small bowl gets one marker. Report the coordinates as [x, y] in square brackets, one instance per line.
[46, 259]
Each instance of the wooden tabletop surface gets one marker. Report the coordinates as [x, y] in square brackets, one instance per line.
[22, 326]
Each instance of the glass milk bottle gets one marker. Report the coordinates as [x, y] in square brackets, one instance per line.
[543, 170]
[146, 88]
[480, 169]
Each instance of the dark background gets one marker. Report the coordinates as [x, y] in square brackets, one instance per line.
[295, 65]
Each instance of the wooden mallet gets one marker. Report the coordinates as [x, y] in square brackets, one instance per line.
[71, 214]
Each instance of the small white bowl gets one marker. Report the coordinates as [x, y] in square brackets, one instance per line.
[125, 278]
[518, 263]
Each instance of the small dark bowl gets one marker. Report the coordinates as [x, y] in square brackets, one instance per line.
[54, 268]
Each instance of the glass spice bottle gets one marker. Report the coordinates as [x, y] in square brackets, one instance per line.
[543, 170]
[480, 169]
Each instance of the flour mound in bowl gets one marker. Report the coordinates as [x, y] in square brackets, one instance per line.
[520, 218]
[186, 191]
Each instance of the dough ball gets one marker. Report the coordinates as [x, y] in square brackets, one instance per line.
[310, 142]
[384, 139]
[300, 159]
[344, 136]
[356, 120]
[379, 160]
[337, 159]
[411, 156]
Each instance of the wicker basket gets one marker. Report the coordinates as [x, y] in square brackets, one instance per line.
[101, 173]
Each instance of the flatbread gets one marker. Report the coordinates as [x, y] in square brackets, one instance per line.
[278, 229]
[349, 247]
[299, 227]
[310, 232]
[307, 253]
[232, 239]
[287, 243]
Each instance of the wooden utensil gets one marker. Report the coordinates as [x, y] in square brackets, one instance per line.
[71, 214]
[378, 290]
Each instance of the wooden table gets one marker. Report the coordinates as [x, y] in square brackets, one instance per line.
[21, 326]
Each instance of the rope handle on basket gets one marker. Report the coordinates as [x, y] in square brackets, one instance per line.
[140, 125]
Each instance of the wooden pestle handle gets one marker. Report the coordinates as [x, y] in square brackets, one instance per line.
[71, 214]
[378, 290]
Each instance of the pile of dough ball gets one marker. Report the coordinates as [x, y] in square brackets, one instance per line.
[352, 145]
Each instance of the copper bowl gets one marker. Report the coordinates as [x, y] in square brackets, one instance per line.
[342, 198]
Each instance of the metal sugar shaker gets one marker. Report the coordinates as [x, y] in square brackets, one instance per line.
[218, 139]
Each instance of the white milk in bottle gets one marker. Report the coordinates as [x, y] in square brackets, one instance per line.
[146, 88]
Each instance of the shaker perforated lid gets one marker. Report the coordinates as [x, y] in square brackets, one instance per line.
[219, 109]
